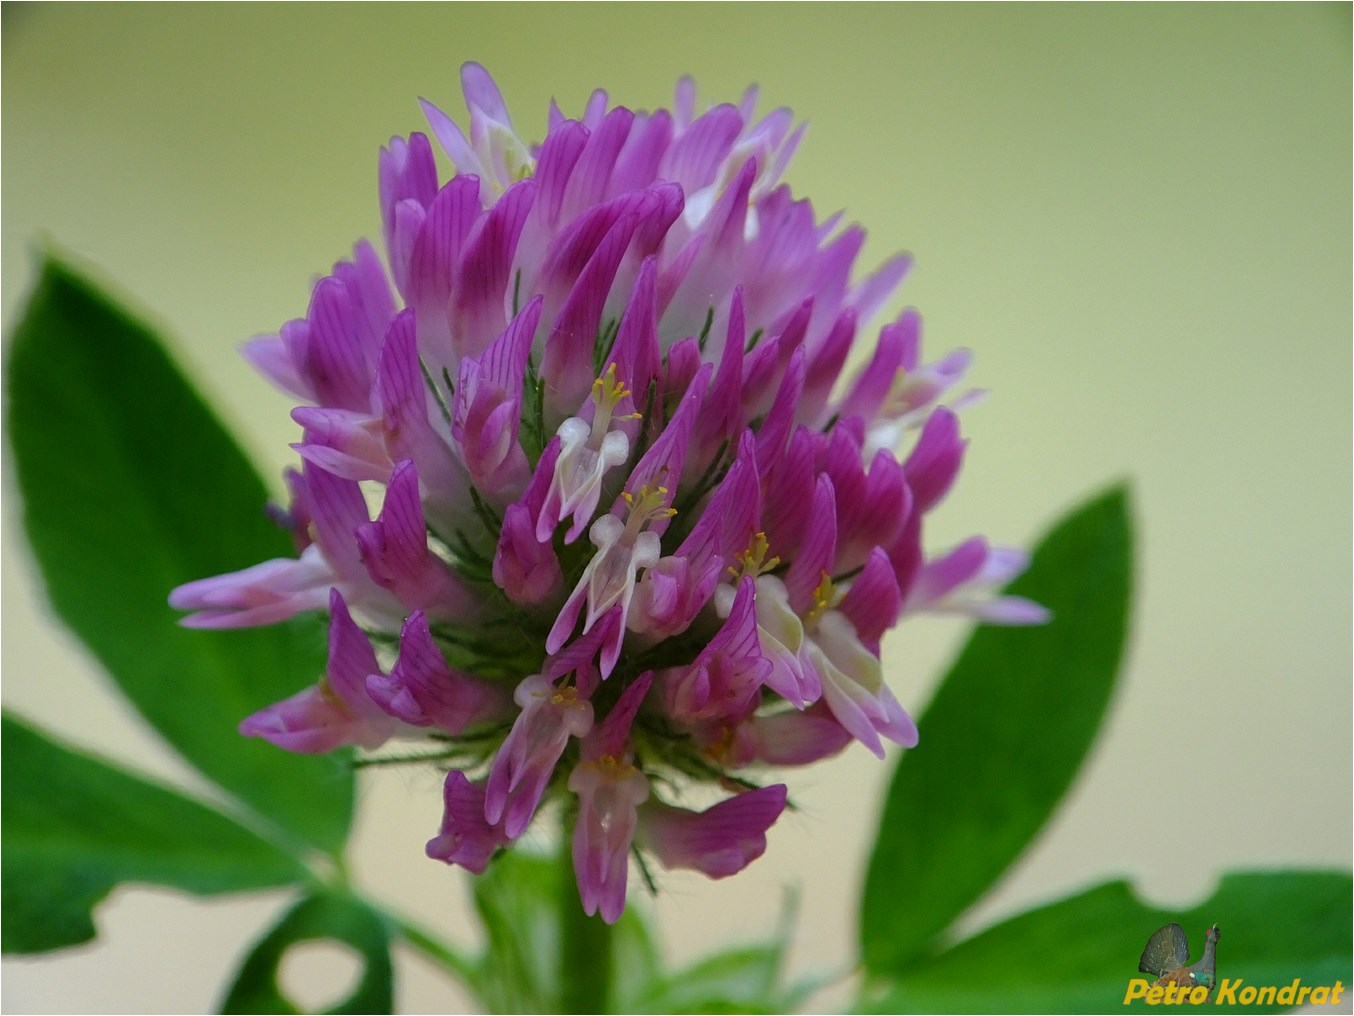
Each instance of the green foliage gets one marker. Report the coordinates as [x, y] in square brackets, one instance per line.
[527, 909]
[1002, 739]
[1010, 725]
[745, 979]
[1078, 954]
[75, 827]
[335, 916]
[131, 487]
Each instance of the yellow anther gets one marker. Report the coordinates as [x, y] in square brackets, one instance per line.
[647, 499]
[612, 767]
[608, 388]
[565, 696]
[754, 561]
[822, 594]
[824, 599]
[607, 393]
[646, 505]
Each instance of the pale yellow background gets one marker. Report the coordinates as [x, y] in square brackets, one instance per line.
[1138, 217]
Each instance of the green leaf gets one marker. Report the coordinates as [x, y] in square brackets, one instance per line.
[1079, 954]
[342, 918]
[132, 487]
[75, 827]
[740, 980]
[746, 979]
[1002, 739]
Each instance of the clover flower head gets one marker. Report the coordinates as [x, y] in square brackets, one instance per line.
[637, 527]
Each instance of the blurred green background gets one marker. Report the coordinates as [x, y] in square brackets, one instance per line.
[1137, 216]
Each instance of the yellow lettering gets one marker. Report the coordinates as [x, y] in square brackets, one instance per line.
[1171, 991]
[1137, 987]
[1335, 992]
[1320, 995]
[1266, 995]
[1303, 992]
[1154, 994]
[1247, 995]
[1198, 994]
[1227, 991]
[1289, 992]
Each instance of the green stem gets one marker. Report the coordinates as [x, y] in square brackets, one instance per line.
[586, 950]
